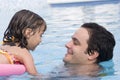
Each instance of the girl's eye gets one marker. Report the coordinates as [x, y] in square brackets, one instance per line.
[40, 35]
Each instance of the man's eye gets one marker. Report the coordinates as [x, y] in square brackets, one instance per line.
[76, 43]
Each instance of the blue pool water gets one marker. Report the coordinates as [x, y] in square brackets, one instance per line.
[62, 21]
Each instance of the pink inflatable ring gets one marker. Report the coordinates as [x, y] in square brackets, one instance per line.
[11, 69]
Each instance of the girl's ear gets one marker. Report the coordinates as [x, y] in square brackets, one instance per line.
[93, 56]
[28, 32]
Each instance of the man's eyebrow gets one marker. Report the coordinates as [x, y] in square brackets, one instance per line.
[75, 39]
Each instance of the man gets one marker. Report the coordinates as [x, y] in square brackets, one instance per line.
[90, 45]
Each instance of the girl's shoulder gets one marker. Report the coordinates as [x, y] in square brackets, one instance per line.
[15, 50]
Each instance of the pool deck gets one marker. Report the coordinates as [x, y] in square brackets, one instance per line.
[80, 3]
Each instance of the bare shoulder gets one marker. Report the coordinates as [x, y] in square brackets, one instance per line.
[22, 54]
[15, 50]
[19, 50]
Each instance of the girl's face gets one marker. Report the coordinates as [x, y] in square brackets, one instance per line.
[34, 39]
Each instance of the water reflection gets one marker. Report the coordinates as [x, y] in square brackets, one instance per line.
[88, 13]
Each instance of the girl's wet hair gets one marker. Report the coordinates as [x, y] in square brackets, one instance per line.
[22, 20]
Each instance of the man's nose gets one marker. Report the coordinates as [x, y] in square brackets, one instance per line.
[69, 44]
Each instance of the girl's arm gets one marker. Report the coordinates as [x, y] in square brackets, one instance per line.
[26, 58]
[29, 64]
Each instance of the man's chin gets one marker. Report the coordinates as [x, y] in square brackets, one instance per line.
[66, 61]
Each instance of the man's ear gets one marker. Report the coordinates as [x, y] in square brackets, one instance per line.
[27, 32]
[93, 55]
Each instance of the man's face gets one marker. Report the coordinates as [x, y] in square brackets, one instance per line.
[76, 48]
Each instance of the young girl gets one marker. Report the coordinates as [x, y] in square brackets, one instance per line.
[23, 34]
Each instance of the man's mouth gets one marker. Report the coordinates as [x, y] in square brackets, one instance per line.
[69, 52]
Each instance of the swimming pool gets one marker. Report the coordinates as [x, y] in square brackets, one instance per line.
[62, 22]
